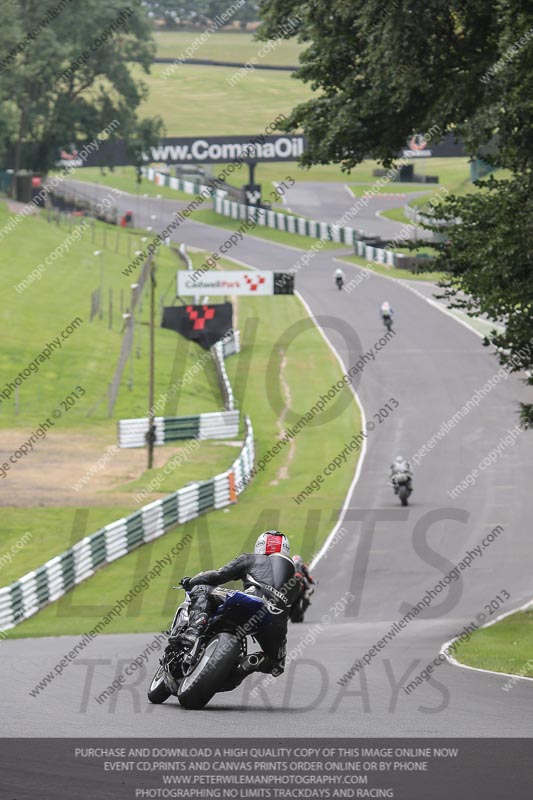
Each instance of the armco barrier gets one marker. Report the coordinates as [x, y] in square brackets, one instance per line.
[214, 425]
[42, 586]
[307, 227]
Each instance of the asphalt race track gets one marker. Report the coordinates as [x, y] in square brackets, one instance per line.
[328, 202]
[388, 556]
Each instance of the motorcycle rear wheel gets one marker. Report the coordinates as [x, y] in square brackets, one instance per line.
[211, 672]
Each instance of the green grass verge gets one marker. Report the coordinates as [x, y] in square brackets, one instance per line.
[506, 646]
[216, 537]
[89, 356]
[52, 530]
[227, 46]
[395, 214]
[390, 188]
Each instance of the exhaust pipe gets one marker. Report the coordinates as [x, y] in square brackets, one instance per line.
[250, 663]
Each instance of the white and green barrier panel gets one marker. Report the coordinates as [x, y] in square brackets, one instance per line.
[220, 351]
[212, 425]
[42, 586]
[230, 345]
[306, 227]
[162, 179]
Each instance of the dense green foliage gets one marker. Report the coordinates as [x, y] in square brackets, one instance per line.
[65, 77]
[384, 71]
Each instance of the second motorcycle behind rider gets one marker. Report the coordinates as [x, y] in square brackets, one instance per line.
[306, 589]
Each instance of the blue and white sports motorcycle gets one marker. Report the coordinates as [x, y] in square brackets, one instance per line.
[218, 660]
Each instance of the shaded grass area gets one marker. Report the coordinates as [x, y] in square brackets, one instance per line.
[506, 646]
[226, 46]
[310, 371]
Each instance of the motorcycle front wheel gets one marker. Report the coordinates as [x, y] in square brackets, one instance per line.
[210, 673]
[404, 494]
[158, 691]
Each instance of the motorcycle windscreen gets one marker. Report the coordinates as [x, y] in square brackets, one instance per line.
[283, 573]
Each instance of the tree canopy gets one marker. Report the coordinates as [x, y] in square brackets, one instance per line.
[181, 13]
[383, 70]
[65, 76]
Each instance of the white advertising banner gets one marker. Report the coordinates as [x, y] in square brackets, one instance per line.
[219, 282]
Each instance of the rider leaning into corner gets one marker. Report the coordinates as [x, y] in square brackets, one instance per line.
[268, 573]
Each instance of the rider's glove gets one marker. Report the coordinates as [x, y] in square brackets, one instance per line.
[185, 583]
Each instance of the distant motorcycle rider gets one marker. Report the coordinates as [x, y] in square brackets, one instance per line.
[306, 579]
[339, 277]
[386, 310]
[301, 569]
[400, 466]
[268, 573]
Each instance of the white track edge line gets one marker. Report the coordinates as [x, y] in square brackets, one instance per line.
[454, 662]
[362, 454]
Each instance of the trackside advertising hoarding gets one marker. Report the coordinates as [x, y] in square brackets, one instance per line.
[193, 150]
[222, 149]
[218, 282]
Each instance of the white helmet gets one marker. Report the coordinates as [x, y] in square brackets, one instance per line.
[385, 306]
[272, 542]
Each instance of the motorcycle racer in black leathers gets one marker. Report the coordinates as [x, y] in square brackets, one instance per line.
[267, 573]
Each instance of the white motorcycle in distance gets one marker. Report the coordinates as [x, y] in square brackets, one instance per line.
[339, 279]
[401, 479]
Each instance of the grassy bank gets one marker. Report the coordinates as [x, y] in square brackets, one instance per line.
[504, 647]
[309, 371]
